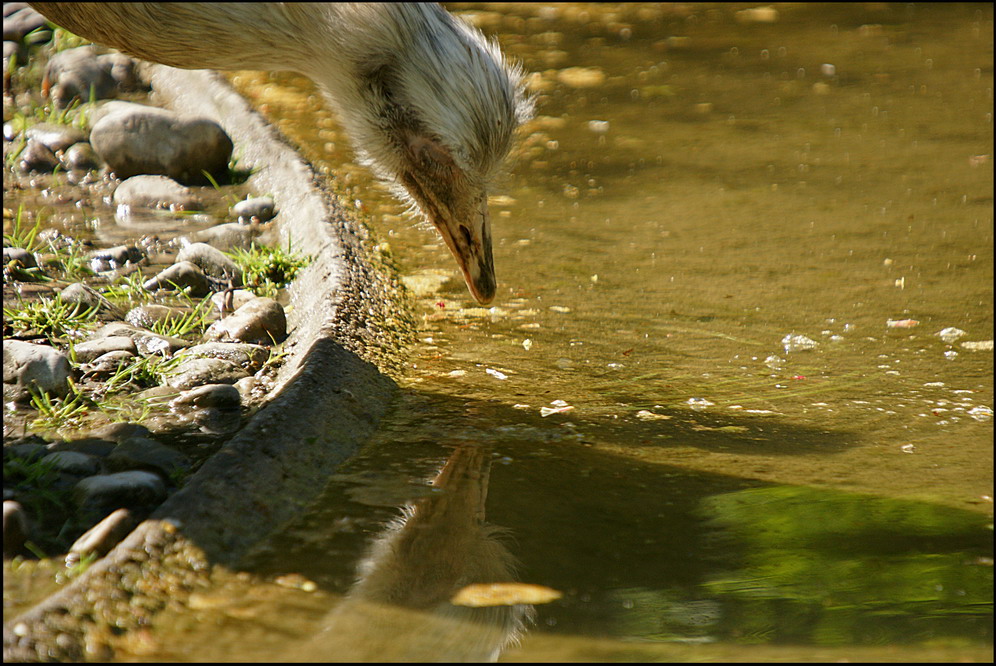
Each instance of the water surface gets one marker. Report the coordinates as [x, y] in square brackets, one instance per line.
[711, 184]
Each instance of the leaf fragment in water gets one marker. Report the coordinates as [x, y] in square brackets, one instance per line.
[480, 595]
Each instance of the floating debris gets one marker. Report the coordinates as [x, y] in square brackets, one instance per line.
[598, 126]
[766, 14]
[527, 344]
[774, 362]
[981, 413]
[496, 373]
[902, 323]
[951, 334]
[581, 77]
[456, 373]
[979, 345]
[907, 448]
[295, 581]
[559, 407]
[481, 595]
[560, 308]
[647, 415]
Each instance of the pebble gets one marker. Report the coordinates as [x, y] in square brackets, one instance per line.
[38, 157]
[113, 258]
[147, 343]
[15, 528]
[260, 321]
[248, 356]
[217, 396]
[146, 316]
[55, 137]
[199, 371]
[79, 74]
[90, 350]
[228, 236]
[107, 364]
[256, 209]
[36, 366]
[155, 192]
[104, 493]
[102, 537]
[184, 276]
[86, 296]
[23, 257]
[73, 462]
[214, 408]
[146, 453]
[212, 262]
[231, 299]
[135, 139]
[82, 157]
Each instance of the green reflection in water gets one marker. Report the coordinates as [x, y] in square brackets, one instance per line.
[830, 568]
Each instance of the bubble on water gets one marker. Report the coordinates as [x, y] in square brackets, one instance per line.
[951, 355]
[774, 362]
[793, 343]
[699, 404]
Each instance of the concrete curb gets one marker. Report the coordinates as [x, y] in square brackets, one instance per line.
[327, 402]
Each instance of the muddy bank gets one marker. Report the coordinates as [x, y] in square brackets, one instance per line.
[328, 397]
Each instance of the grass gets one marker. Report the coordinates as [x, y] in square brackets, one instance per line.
[69, 254]
[63, 40]
[266, 270]
[50, 317]
[56, 413]
[34, 482]
[127, 288]
[21, 236]
[70, 257]
[195, 321]
[144, 371]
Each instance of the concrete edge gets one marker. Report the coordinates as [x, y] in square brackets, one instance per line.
[327, 402]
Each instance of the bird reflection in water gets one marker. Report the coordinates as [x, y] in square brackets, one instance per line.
[400, 607]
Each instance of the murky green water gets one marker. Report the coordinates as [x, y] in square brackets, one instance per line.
[701, 492]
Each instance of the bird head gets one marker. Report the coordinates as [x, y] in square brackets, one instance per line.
[433, 111]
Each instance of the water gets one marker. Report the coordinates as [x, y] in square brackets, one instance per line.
[698, 256]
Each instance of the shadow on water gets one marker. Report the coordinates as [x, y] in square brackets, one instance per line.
[640, 550]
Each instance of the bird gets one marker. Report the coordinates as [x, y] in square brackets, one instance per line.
[431, 105]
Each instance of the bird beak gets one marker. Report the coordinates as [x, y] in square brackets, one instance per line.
[463, 222]
[469, 239]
